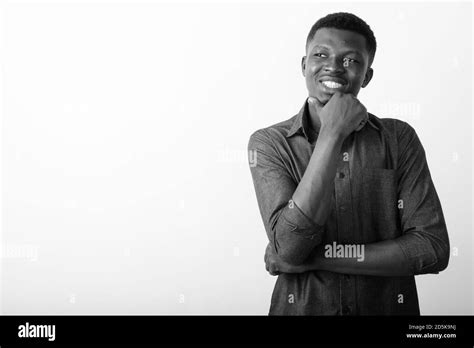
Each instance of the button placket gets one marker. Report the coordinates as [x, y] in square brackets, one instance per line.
[345, 226]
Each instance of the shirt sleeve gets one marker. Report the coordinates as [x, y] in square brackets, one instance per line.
[289, 230]
[424, 237]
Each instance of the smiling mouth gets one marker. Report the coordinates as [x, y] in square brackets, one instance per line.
[332, 84]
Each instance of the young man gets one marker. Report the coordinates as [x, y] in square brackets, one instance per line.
[346, 198]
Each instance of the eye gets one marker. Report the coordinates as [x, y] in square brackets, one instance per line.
[350, 60]
[319, 55]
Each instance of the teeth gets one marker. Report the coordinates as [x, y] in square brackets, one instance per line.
[332, 84]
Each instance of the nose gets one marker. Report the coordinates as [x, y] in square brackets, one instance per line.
[334, 65]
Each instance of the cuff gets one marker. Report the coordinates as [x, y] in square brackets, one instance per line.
[299, 224]
[418, 251]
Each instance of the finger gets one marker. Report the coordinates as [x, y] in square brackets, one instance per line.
[273, 271]
[354, 98]
[269, 248]
[336, 95]
[272, 266]
[267, 251]
[361, 125]
[268, 266]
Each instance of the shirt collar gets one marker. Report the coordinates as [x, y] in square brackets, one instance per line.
[300, 123]
[297, 125]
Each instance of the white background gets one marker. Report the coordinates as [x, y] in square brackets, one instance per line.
[126, 188]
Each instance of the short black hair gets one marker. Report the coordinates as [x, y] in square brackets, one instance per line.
[346, 21]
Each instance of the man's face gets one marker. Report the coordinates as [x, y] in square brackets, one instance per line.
[336, 60]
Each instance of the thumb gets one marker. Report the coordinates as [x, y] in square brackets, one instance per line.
[312, 101]
[315, 103]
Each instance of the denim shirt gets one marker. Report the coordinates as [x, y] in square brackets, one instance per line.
[382, 190]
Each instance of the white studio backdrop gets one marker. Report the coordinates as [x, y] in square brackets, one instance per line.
[126, 187]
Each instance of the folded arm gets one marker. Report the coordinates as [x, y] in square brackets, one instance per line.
[384, 258]
[423, 246]
[293, 214]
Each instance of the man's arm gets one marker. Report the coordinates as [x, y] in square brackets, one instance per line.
[384, 258]
[339, 117]
[423, 246]
[424, 239]
[294, 215]
[292, 234]
[314, 192]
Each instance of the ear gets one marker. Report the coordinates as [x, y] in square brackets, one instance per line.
[303, 65]
[368, 77]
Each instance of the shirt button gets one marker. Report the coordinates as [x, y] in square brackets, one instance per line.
[346, 310]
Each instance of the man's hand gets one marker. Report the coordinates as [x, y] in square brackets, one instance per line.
[342, 114]
[275, 265]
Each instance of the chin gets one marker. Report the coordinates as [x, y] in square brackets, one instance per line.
[323, 97]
